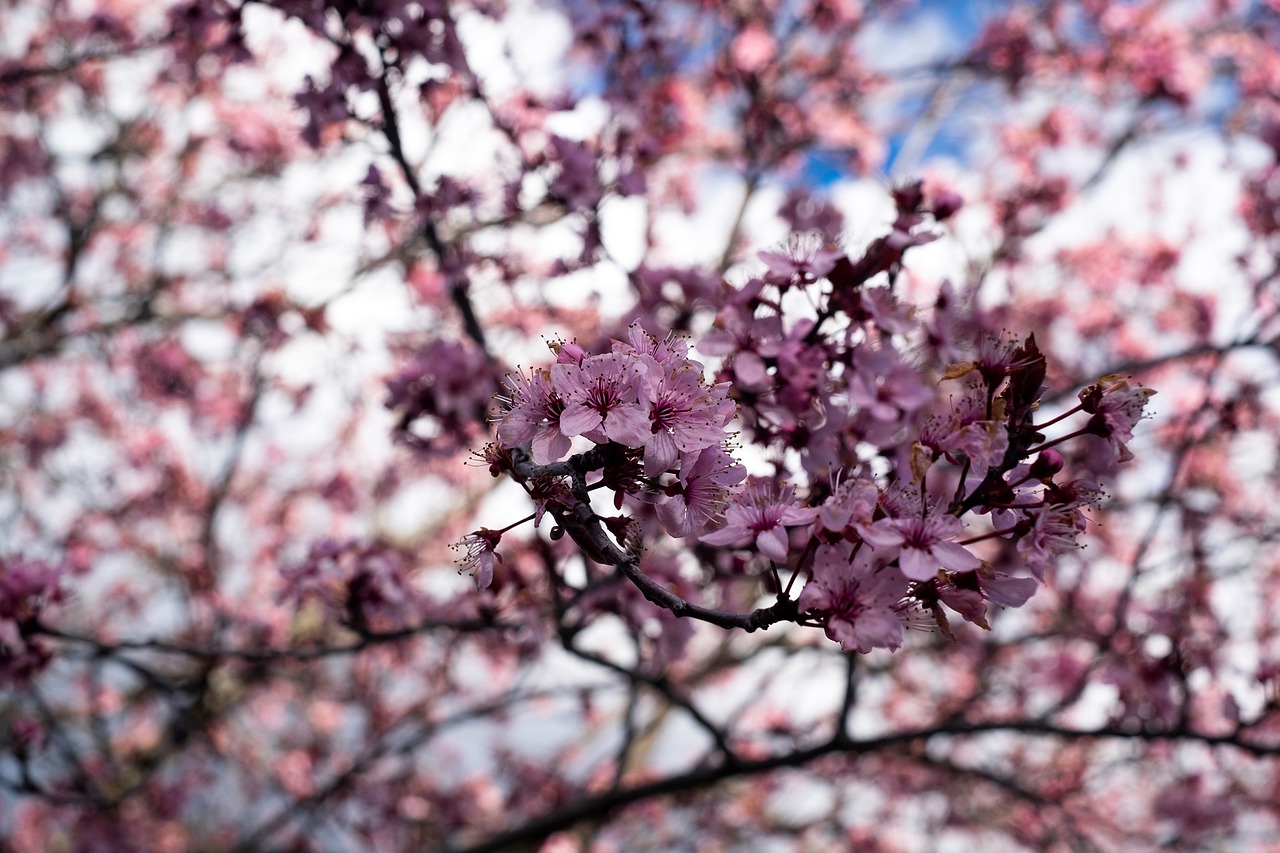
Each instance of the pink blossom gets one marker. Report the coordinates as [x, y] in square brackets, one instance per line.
[1117, 407]
[968, 592]
[804, 258]
[601, 399]
[1054, 531]
[684, 414]
[744, 339]
[852, 502]
[670, 352]
[533, 415]
[924, 544]
[701, 491]
[886, 310]
[480, 554]
[761, 514]
[966, 432]
[884, 386]
[855, 597]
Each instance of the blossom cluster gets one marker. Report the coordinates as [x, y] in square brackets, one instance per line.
[27, 587]
[645, 396]
[922, 479]
[441, 397]
[362, 585]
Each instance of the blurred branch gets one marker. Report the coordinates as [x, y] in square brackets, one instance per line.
[367, 640]
[704, 778]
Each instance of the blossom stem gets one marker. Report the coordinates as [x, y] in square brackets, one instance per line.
[515, 524]
[1061, 417]
[810, 549]
[1055, 442]
[990, 535]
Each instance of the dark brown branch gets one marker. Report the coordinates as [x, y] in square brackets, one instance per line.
[587, 530]
[458, 291]
[368, 639]
[704, 778]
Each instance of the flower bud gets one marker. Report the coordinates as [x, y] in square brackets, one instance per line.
[947, 204]
[1047, 464]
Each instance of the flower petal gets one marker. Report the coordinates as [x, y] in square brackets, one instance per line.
[628, 424]
[773, 543]
[728, 535]
[955, 557]
[878, 629]
[578, 418]
[659, 454]
[917, 565]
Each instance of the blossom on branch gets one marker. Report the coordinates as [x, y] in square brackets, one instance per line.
[531, 415]
[923, 544]
[1116, 407]
[602, 399]
[760, 514]
[856, 597]
[700, 492]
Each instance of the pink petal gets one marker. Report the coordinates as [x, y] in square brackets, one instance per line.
[1008, 590]
[750, 370]
[484, 571]
[550, 445]
[878, 629]
[773, 544]
[881, 535]
[814, 596]
[917, 565]
[842, 631]
[969, 603]
[954, 557]
[730, 535]
[659, 453]
[629, 425]
[675, 518]
[578, 418]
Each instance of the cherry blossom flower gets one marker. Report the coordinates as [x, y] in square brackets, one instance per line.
[966, 432]
[884, 386]
[805, 258]
[924, 544]
[852, 502]
[480, 554]
[1117, 407]
[761, 514]
[968, 592]
[701, 491]
[670, 352]
[1054, 531]
[744, 340]
[684, 414]
[531, 414]
[601, 399]
[855, 596]
[887, 311]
